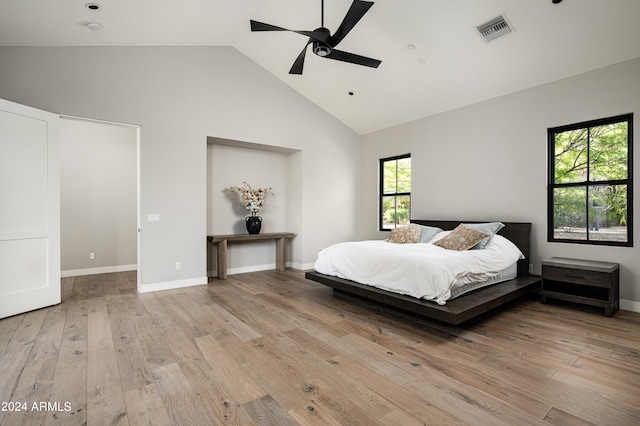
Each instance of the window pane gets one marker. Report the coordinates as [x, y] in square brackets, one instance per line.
[571, 156]
[608, 213]
[608, 152]
[569, 215]
[403, 209]
[404, 175]
[395, 211]
[388, 212]
[389, 178]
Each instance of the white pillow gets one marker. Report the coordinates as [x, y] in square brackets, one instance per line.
[503, 246]
[439, 236]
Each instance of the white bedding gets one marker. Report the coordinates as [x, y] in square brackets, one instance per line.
[421, 270]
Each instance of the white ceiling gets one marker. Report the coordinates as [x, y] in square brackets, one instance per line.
[450, 66]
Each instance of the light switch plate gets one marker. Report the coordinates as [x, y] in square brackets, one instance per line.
[153, 217]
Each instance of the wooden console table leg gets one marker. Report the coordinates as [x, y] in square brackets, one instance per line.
[222, 260]
[280, 256]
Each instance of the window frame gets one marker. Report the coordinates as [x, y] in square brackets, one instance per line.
[587, 184]
[382, 194]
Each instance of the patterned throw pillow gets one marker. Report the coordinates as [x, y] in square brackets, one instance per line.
[461, 238]
[405, 235]
[490, 228]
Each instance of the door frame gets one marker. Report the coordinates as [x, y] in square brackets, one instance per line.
[138, 174]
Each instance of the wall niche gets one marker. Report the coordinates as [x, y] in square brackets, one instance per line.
[230, 163]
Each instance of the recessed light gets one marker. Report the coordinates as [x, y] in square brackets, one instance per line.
[350, 93]
[411, 46]
[92, 6]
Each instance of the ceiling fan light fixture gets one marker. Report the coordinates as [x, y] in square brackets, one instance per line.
[321, 49]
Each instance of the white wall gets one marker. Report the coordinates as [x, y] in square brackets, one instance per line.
[180, 96]
[488, 161]
[98, 190]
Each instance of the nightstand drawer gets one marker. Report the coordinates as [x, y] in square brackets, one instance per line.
[577, 276]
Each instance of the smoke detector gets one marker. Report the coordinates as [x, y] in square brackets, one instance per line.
[495, 28]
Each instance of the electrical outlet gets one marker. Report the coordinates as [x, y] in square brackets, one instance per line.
[178, 265]
[92, 256]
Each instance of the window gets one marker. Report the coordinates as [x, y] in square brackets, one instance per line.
[590, 182]
[395, 191]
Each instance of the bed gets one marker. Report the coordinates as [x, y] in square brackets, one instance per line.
[458, 309]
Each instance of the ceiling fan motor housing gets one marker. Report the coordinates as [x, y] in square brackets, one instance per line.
[322, 41]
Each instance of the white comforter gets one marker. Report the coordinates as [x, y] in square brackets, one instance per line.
[420, 270]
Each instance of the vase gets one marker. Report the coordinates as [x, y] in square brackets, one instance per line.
[254, 223]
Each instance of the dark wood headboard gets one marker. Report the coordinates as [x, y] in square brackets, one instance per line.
[519, 233]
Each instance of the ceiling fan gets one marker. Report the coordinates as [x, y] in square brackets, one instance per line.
[324, 42]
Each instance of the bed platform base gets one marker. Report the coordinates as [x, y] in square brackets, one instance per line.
[465, 307]
[456, 311]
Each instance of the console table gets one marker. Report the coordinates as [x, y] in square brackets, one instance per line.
[222, 240]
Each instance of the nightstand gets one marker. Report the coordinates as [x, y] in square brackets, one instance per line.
[582, 281]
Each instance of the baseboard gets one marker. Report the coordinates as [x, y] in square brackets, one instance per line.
[630, 305]
[169, 285]
[305, 266]
[258, 268]
[246, 269]
[96, 271]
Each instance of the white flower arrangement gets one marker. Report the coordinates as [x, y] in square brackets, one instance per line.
[252, 199]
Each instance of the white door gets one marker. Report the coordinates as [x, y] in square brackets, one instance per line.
[29, 209]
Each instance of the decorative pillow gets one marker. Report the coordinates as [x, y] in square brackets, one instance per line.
[427, 233]
[462, 238]
[490, 228]
[405, 235]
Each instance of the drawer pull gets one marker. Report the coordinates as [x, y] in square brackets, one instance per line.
[580, 277]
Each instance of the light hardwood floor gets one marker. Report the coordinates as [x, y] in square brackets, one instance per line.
[271, 348]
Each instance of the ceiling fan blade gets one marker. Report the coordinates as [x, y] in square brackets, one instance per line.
[261, 26]
[339, 55]
[297, 66]
[356, 12]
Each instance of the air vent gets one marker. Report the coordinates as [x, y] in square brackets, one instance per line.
[497, 27]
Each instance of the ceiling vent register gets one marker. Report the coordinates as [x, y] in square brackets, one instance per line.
[495, 28]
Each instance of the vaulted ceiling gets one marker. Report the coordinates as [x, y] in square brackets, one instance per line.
[433, 58]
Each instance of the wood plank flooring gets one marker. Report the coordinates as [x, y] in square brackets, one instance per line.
[271, 348]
